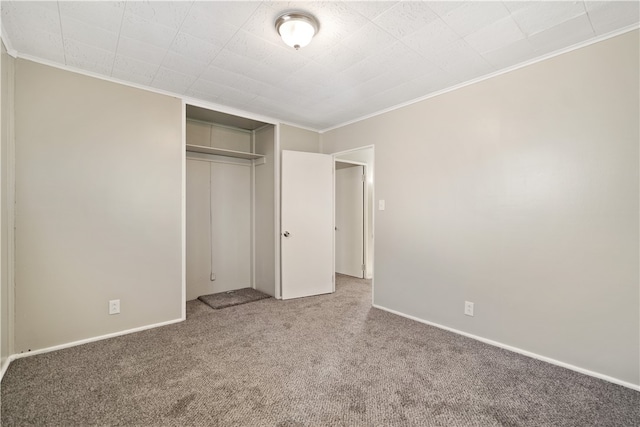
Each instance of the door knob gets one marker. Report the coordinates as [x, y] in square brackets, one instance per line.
[286, 234]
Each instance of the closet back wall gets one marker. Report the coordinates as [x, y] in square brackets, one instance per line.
[99, 207]
[218, 212]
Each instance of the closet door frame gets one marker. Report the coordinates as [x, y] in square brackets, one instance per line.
[276, 183]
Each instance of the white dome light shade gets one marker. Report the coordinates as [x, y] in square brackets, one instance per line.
[296, 29]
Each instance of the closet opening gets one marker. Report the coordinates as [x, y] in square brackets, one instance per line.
[230, 203]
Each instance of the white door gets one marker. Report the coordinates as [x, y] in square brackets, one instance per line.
[350, 219]
[306, 224]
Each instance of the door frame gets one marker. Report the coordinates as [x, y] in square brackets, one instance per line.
[370, 212]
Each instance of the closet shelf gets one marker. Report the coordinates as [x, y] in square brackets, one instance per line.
[223, 152]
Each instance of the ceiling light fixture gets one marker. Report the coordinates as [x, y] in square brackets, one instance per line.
[296, 28]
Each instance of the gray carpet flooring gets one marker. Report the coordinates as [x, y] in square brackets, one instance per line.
[222, 300]
[330, 360]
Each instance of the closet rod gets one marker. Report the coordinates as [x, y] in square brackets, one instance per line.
[227, 160]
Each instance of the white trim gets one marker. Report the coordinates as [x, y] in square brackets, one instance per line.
[369, 215]
[253, 212]
[7, 42]
[300, 126]
[186, 99]
[84, 341]
[365, 221]
[221, 108]
[3, 231]
[224, 109]
[94, 75]
[490, 76]
[365, 215]
[517, 350]
[273, 121]
[351, 150]
[5, 366]
[372, 266]
[333, 226]
[183, 209]
[11, 215]
[276, 206]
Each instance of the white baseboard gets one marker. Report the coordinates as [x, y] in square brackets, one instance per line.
[517, 350]
[610, 379]
[5, 366]
[13, 357]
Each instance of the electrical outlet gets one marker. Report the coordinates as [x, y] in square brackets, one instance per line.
[114, 306]
[468, 308]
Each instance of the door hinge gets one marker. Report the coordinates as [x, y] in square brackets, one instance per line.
[364, 178]
[363, 267]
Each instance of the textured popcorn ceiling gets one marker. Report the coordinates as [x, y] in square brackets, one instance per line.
[368, 56]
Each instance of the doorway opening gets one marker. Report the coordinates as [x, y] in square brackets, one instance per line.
[350, 194]
[354, 214]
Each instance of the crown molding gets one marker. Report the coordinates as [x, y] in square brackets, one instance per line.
[7, 42]
[490, 76]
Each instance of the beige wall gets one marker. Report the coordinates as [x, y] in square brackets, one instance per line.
[98, 216]
[520, 194]
[6, 308]
[298, 139]
[218, 208]
[218, 240]
[212, 135]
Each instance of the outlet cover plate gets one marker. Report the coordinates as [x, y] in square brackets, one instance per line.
[468, 308]
[114, 306]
